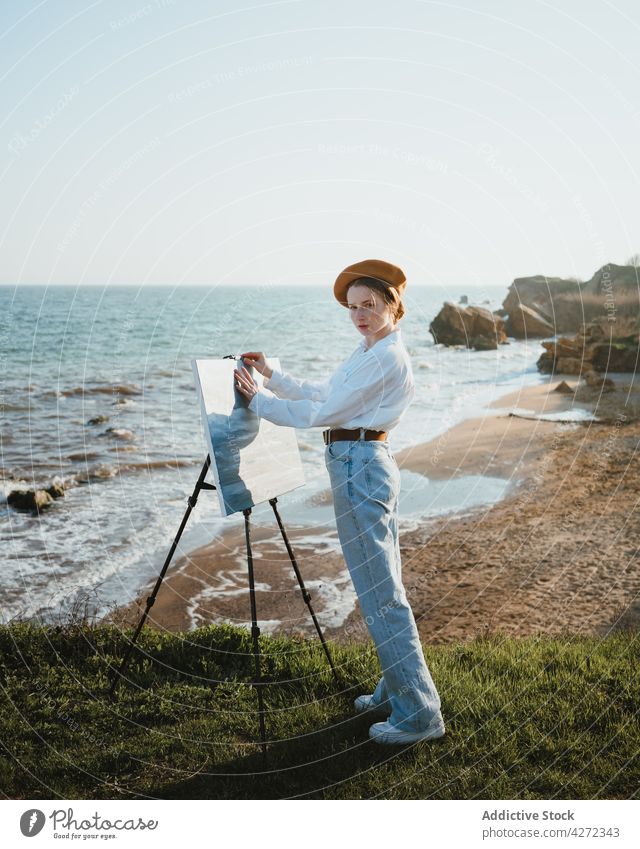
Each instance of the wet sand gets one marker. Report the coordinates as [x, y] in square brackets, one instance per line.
[558, 554]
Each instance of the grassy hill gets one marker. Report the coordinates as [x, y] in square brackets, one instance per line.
[527, 718]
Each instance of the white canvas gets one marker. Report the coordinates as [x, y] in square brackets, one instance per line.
[252, 460]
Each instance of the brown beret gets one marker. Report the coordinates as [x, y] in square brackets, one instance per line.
[386, 272]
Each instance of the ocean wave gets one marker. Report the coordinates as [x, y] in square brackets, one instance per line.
[29, 387]
[8, 408]
[118, 433]
[98, 472]
[104, 471]
[100, 389]
[168, 463]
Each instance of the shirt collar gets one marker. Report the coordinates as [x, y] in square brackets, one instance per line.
[390, 337]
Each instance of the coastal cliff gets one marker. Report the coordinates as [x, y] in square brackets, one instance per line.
[567, 303]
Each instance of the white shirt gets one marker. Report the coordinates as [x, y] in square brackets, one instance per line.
[372, 388]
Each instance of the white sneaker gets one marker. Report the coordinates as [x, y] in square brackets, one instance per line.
[364, 703]
[385, 732]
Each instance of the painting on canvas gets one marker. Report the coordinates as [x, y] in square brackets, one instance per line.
[252, 460]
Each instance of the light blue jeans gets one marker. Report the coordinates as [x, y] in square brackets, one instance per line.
[365, 481]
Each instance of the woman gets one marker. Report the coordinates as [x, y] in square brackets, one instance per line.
[359, 404]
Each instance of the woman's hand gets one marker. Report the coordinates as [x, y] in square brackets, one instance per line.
[245, 383]
[257, 360]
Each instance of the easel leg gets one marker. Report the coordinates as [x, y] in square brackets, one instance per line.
[200, 484]
[305, 594]
[255, 632]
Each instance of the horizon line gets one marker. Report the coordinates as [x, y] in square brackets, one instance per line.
[230, 285]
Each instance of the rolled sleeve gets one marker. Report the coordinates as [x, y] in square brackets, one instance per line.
[360, 392]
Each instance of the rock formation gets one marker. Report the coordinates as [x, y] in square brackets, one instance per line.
[475, 327]
[600, 346]
[565, 304]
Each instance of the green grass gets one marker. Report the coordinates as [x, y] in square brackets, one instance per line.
[526, 718]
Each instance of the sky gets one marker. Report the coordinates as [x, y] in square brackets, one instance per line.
[176, 142]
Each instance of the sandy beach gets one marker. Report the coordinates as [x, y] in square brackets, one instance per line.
[558, 554]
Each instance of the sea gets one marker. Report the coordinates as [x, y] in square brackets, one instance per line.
[98, 394]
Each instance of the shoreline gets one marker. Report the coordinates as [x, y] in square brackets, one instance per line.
[490, 444]
[465, 573]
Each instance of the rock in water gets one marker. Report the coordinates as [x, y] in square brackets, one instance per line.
[56, 490]
[475, 327]
[32, 500]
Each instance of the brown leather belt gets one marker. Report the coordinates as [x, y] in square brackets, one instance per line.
[336, 433]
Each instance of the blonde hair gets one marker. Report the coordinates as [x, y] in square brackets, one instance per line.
[389, 294]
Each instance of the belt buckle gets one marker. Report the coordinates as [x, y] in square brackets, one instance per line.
[325, 436]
